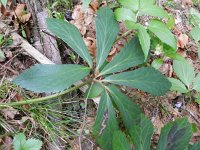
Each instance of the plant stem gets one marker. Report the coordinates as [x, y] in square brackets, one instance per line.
[42, 99]
[123, 35]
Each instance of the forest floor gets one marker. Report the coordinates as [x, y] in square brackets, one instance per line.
[57, 126]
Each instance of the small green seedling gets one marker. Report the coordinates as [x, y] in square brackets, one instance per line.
[195, 32]
[20, 143]
[188, 81]
[131, 11]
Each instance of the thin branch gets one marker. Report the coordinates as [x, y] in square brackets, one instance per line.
[84, 117]
[42, 99]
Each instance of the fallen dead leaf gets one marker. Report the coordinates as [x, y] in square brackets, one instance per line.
[91, 45]
[182, 40]
[8, 142]
[19, 10]
[24, 18]
[9, 113]
[182, 53]
[187, 2]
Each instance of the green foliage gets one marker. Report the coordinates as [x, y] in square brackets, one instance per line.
[175, 135]
[194, 17]
[188, 81]
[94, 91]
[4, 2]
[86, 4]
[185, 72]
[136, 8]
[177, 85]
[142, 79]
[195, 33]
[196, 2]
[106, 122]
[195, 21]
[120, 141]
[196, 83]
[70, 34]
[162, 32]
[106, 31]
[123, 14]
[125, 107]
[195, 146]
[55, 78]
[51, 78]
[144, 40]
[157, 63]
[141, 133]
[20, 143]
[131, 55]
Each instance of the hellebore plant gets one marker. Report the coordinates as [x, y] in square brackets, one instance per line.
[102, 80]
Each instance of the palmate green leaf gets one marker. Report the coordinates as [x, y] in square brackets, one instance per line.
[162, 32]
[184, 71]
[146, 3]
[51, 78]
[196, 84]
[106, 31]
[130, 55]
[122, 14]
[120, 142]
[152, 10]
[70, 35]
[195, 17]
[195, 146]
[157, 63]
[127, 108]
[144, 39]
[141, 133]
[32, 144]
[170, 22]
[175, 135]
[177, 85]
[131, 25]
[147, 79]
[136, 5]
[94, 91]
[106, 122]
[131, 4]
[195, 33]
[20, 143]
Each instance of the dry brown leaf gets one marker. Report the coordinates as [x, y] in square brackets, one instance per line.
[187, 2]
[78, 13]
[24, 18]
[19, 10]
[91, 45]
[94, 5]
[166, 69]
[3, 11]
[8, 142]
[158, 124]
[182, 53]
[182, 40]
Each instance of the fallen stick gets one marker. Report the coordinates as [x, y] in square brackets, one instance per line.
[29, 48]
